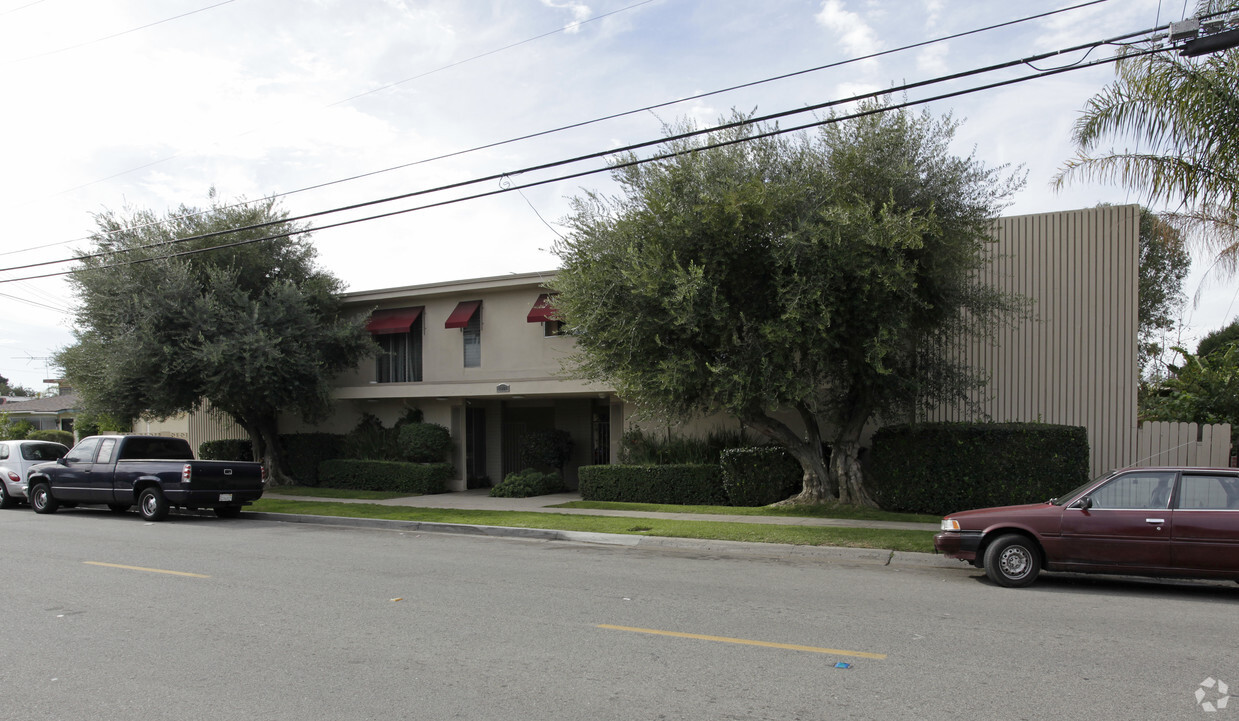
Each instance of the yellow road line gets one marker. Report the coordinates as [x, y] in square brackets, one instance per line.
[148, 570]
[746, 642]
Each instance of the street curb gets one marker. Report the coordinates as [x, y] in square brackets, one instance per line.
[873, 556]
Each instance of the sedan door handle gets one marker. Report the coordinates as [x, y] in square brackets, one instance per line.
[1154, 520]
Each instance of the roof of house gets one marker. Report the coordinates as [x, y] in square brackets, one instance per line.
[51, 404]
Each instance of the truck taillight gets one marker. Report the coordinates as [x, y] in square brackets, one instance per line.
[185, 473]
[264, 472]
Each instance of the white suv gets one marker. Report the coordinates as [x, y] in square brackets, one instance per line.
[15, 458]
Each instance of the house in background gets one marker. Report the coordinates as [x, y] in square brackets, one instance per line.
[52, 413]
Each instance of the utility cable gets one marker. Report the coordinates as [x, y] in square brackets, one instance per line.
[117, 35]
[573, 126]
[614, 151]
[615, 166]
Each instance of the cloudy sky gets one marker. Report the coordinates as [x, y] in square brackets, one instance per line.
[149, 104]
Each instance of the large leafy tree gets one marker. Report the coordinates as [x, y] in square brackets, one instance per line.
[1164, 263]
[1179, 118]
[1203, 389]
[802, 284]
[254, 329]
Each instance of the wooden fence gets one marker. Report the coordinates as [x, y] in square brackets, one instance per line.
[1182, 444]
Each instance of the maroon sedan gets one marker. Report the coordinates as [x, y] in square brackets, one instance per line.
[1146, 521]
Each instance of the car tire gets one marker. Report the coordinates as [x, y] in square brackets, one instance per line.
[1012, 561]
[6, 500]
[41, 499]
[118, 507]
[152, 504]
[228, 511]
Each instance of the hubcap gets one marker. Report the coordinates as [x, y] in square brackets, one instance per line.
[148, 505]
[1015, 562]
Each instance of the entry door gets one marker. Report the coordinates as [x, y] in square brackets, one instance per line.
[1128, 526]
[475, 445]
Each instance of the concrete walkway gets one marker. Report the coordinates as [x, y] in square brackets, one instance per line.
[479, 500]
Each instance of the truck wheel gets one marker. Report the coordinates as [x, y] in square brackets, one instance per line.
[41, 499]
[152, 505]
[1012, 561]
[228, 511]
[118, 507]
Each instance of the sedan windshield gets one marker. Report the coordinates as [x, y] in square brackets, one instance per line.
[1069, 495]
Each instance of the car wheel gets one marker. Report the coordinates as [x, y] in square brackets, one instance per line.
[6, 500]
[1012, 561]
[152, 505]
[41, 499]
[118, 507]
[228, 511]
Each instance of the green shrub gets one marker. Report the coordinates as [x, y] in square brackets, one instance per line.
[11, 430]
[231, 449]
[392, 476]
[304, 451]
[64, 438]
[550, 449]
[678, 484]
[424, 442]
[370, 440]
[760, 476]
[944, 467]
[529, 482]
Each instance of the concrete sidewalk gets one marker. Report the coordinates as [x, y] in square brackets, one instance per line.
[479, 500]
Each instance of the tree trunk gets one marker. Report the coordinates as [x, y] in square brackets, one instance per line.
[845, 469]
[807, 450]
[273, 454]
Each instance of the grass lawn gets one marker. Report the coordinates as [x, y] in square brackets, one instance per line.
[826, 510]
[895, 540]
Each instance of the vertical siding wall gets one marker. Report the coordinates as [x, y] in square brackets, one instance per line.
[1074, 360]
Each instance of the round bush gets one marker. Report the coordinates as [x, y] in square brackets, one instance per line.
[425, 442]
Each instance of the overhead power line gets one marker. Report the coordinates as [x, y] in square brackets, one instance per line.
[511, 187]
[580, 124]
[117, 35]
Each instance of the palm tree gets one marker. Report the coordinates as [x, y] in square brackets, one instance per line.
[1183, 114]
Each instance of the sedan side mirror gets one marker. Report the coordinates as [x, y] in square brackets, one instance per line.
[1085, 503]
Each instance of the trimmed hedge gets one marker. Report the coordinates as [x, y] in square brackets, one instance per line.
[760, 476]
[229, 449]
[529, 482]
[412, 478]
[940, 468]
[693, 485]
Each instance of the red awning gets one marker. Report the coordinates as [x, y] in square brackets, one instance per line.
[395, 320]
[542, 310]
[464, 311]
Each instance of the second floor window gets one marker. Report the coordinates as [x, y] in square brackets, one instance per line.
[473, 340]
[400, 357]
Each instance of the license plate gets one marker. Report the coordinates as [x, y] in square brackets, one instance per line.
[225, 496]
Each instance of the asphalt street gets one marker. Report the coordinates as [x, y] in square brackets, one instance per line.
[108, 617]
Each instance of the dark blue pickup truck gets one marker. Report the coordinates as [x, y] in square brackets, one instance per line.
[153, 472]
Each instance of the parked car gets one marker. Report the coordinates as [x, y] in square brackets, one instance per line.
[1166, 522]
[16, 457]
[154, 472]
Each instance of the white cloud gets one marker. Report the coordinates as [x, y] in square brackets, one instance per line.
[931, 60]
[579, 11]
[856, 37]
